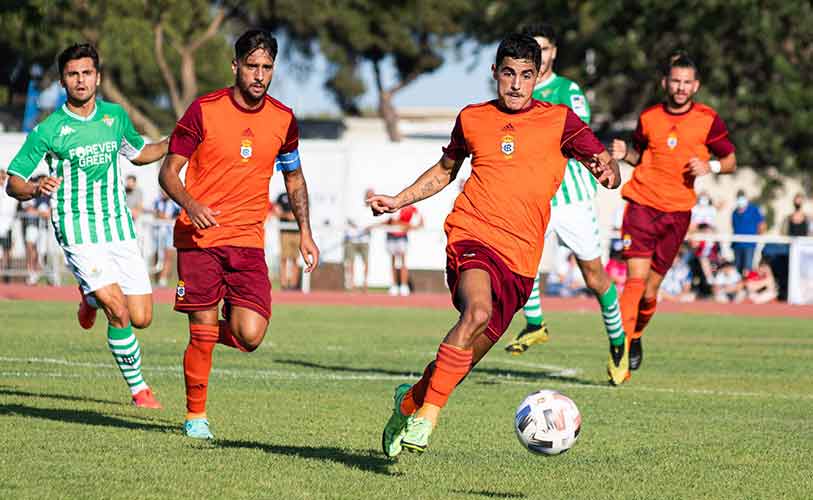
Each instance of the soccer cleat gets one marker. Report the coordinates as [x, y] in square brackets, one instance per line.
[146, 399]
[416, 437]
[618, 364]
[530, 335]
[197, 428]
[396, 425]
[636, 353]
[86, 314]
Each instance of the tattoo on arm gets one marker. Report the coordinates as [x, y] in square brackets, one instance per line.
[298, 196]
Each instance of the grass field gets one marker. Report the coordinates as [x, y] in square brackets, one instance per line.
[721, 409]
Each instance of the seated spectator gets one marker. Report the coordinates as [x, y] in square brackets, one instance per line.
[727, 285]
[760, 284]
[567, 281]
[677, 284]
[704, 212]
[706, 257]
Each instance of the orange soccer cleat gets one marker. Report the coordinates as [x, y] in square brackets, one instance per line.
[146, 399]
[86, 314]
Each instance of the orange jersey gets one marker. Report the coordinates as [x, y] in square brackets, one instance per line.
[518, 162]
[667, 142]
[232, 152]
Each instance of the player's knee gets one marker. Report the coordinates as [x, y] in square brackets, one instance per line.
[119, 314]
[477, 316]
[140, 322]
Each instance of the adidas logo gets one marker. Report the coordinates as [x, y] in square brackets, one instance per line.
[508, 128]
[65, 130]
[248, 133]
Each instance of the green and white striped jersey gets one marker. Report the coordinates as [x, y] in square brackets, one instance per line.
[89, 206]
[578, 185]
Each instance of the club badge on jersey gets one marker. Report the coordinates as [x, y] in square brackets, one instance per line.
[180, 290]
[672, 140]
[108, 120]
[508, 145]
[245, 149]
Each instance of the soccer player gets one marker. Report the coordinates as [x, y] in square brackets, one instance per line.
[81, 142]
[673, 144]
[573, 220]
[231, 139]
[495, 231]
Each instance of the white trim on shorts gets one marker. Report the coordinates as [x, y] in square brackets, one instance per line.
[576, 225]
[96, 265]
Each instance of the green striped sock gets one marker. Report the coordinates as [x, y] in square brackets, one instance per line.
[127, 353]
[533, 308]
[611, 313]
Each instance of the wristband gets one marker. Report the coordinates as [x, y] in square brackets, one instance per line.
[715, 166]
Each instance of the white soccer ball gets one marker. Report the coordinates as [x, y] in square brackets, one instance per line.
[547, 422]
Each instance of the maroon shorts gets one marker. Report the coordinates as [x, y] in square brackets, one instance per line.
[208, 275]
[509, 291]
[649, 232]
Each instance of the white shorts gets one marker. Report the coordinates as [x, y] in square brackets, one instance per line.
[397, 245]
[576, 225]
[98, 265]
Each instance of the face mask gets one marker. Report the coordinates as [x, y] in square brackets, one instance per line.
[742, 202]
[704, 201]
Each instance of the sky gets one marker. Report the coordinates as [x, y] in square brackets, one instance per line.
[464, 78]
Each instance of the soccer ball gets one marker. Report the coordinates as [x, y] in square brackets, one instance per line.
[547, 422]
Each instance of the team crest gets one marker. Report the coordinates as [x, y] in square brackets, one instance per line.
[672, 140]
[245, 149]
[627, 241]
[508, 145]
[180, 290]
[108, 120]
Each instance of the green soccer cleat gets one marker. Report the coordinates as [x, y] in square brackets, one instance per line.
[530, 335]
[396, 425]
[417, 434]
[197, 428]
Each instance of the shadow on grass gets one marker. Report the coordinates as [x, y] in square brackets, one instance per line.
[528, 375]
[86, 417]
[490, 494]
[62, 397]
[368, 461]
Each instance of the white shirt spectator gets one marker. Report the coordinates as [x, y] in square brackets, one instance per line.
[8, 211]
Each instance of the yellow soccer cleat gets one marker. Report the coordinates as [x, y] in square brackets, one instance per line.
[529, 336]
[618, 364]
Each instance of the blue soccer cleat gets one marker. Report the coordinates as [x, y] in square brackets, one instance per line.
[197, 428]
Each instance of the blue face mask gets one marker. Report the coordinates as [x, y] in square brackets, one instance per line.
[742, 202]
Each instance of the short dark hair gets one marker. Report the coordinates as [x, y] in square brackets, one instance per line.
[252, 40]
[519, 46]
[77, 51]
[680, 59]
[544, 30]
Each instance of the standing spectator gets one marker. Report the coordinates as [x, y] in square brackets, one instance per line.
[727, 284]
[8, 209]
[288, 243]
[31, 211]
[761, 285]
[797, 223]
[165, 211]
[704, 212]
[404, 221]
[357, 244]
[135, 198]
[747, 219]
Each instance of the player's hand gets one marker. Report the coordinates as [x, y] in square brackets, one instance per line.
[202, 216]
[382, 204]
[618, 149]
[309, 251]
[602, 171]
[698, 167]
[47, 186]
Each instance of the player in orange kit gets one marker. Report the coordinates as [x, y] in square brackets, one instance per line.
[672, 145]
[519, 148]
[232, 139]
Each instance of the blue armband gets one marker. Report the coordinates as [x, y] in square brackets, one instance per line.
[288, 162]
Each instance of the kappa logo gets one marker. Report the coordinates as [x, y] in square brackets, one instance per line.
[508, 145]
[65, 130]
[245, 149]
[108, 120]
[469, 254]
[180, 290]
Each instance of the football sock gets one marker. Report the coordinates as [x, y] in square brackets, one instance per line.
[611, 313]
[413, 399]
[646, 309]
[127, 353]
[451, 365]
[533, 308]
[630, 298]
[197, 363]
[227, 338]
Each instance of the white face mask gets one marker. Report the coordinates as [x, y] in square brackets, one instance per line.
[742, 202]
[704, 201]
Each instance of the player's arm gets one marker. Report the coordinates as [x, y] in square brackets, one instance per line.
[578, 141]
[151, 153]
[170, 180]
[622, 151]
[24, 164]
[297, 190]
[719, 144]
[431, 182]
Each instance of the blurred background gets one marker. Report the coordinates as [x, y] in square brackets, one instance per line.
[376, 87]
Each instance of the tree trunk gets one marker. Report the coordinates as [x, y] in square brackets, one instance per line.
[139, 119]
[387, 112]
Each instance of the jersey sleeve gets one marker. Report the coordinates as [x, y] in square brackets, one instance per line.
[457, 148]
[30, 155]
[578, 140]
[576, 100]
[639, 139]
[188, 133]
[131, 141]
[717, 139]
[288, 157]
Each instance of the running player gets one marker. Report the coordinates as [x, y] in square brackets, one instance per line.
[232, 139]
[519, 148]
[672, 145]
[573, 219]
[81, 142]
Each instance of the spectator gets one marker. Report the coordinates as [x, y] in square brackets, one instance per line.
[797, 223]
[357, 244]
[135, 199]
[761, 285]
[706, 258]
[568, 280]
[704, 212]
[407, 219]
[727, 284]
[747, 219]
[289, 244]
[616, 267]
[32, 212]
[8, 210]
[677, 284]
[165, 211]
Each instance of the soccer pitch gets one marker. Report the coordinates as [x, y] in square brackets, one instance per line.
[720, 409]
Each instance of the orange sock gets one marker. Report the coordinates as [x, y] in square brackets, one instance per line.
[646, 309]
[451, 366]
[197, 363]
[413, 399]
[227, 338]
[630, 299]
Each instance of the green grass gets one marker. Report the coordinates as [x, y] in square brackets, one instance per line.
[720, 409]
